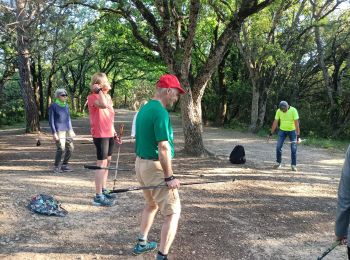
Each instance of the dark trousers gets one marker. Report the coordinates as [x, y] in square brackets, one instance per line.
[66, 146]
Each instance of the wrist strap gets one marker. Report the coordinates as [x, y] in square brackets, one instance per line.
[172, 177]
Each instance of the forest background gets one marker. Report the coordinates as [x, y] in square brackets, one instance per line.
[236, 60]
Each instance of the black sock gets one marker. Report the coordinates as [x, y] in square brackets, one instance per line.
[160, 253]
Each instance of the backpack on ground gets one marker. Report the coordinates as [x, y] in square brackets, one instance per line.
[46, 205]
[237, 155]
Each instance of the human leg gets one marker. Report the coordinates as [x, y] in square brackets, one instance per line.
[100, 175]
[293, 147]
[60, 145]
[101, 149]
[148, 212]
[105, 190]
[67, 155]
[168, 232]
[68, 151]
[280, 141]
[142, 245]
[108, 151]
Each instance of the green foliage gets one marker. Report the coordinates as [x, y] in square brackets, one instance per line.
[327, 143]
[11, 111]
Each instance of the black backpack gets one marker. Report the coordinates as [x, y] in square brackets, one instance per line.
[237, 155]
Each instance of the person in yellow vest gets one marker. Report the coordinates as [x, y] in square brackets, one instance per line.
[289, 126]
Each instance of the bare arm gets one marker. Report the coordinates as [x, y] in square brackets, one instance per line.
[164, 155]
[101, 102]
[274, 126]
[165, 158]
[297, 129]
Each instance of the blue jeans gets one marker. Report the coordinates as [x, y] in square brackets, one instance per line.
[293, 146]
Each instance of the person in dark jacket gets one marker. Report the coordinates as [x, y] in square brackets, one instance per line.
[343, 206]
[62, 130]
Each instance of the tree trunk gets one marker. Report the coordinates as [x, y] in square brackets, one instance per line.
[49, 93]
[222, 92]
[254, 114]
[34, 82]
[30, 108]
[192, 125]
[321, 63]
[41, 88]
[262, 109]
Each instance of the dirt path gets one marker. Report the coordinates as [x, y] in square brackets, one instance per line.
[264, 214]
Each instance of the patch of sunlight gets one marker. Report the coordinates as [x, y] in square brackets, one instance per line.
[21, 148]
[216, 186]
[291, 190]
[206, 206]
[56, 180]
[20, 168]
[332, 161]
[70, 207]
[304, 213]
[227, 170]
[30, 160]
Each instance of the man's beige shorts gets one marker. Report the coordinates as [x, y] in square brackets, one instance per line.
[150, 173]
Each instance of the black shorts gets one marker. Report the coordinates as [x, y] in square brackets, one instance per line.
[104, 147]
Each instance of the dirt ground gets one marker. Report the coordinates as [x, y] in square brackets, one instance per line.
[263, 214]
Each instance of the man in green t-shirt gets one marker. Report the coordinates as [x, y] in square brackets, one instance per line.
[289, 126]
[154, 149]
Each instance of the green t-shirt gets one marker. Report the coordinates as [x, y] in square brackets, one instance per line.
[287, 119]
[152, 126]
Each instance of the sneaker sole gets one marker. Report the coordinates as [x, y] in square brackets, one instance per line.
[151, 250]
[102, 205]
[110, 198]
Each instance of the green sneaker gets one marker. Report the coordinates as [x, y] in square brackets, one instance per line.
[109, 195]
[102, 201]
[140, 249]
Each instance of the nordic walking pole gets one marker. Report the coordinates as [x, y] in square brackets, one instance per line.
[164, 185]
[121, 130]
[96, 167]
[334, 245]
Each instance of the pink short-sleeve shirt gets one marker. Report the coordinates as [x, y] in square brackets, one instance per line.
[101, 119]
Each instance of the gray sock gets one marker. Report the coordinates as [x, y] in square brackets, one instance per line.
[142, 240]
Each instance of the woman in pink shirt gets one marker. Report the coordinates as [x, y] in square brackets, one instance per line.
[104, 135]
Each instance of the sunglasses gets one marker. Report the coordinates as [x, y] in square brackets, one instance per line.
[64, 95]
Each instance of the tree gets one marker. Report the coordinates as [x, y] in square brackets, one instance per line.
[169, 28]
[31, 110]
[334, 67]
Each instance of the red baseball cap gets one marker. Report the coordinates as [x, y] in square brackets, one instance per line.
[170, 81]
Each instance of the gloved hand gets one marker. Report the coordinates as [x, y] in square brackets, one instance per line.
[298, 139]
[117, 139]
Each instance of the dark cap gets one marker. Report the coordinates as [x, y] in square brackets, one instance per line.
[283, 105]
